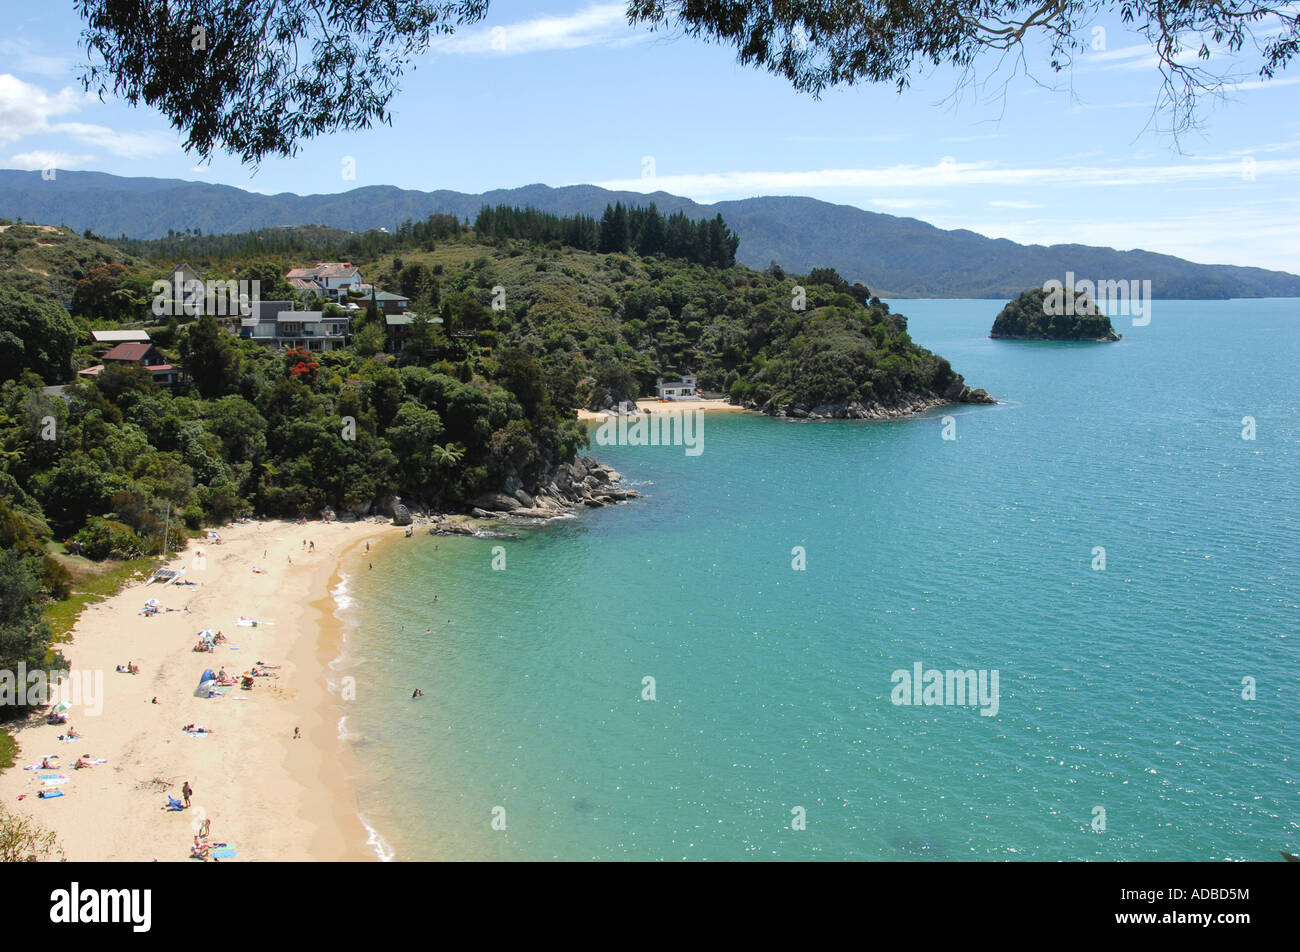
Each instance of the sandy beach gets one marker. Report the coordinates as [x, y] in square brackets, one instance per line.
[655, 406]
[267, 795]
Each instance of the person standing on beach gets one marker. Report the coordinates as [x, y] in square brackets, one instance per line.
[187, 792]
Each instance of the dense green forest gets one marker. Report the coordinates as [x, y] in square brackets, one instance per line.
[1038, 315]
[529, 331]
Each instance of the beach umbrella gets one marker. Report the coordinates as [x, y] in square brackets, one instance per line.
[62, 707]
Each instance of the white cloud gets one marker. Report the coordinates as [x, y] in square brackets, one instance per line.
[1258, 236]
[27, 110]
[949, 174]
[1008, 203]
[598, 25]
[41, 159]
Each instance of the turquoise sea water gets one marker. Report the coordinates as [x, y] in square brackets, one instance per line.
[1119, 689]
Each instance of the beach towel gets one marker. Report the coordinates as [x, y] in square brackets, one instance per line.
[54, 783]
[223, 854]
[197, 733]
[50, 776]
[173, 804]
[47, 794]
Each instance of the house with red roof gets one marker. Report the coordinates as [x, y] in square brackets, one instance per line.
[142, 354]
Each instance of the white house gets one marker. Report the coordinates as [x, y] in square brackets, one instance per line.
[330, 279]
[677, 389]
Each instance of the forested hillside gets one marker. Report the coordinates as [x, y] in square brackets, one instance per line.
[512, 335]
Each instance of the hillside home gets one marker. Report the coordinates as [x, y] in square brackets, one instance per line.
[330, 279]
[683, 389]
[143, 355]
[277, 324]
[390, 303]
[398, 327]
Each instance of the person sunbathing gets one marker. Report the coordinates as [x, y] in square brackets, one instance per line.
[72, 733]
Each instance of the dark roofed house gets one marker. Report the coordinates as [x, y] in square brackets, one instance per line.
[142, 355]
[277, 324]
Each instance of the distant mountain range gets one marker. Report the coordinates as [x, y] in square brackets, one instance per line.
[895, 257]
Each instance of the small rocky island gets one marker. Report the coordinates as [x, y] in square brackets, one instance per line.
[1039, 314]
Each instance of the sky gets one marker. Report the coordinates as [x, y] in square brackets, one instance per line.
[564, 92]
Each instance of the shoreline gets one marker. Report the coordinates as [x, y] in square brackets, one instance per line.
[270, 796]
[655, 406]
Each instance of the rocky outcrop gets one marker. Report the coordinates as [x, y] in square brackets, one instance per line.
[401, 515]
[905, 404]
[565, 489]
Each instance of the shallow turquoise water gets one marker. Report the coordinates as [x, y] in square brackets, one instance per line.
[1119, 689]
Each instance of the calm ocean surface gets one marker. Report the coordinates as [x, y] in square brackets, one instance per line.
[1119, 689]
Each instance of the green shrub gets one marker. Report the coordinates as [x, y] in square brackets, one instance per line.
[105, 538]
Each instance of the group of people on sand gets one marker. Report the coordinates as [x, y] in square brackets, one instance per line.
[129, 668]
[203, 847]
[197, 729]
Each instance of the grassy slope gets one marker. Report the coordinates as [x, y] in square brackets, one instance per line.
[45, 258]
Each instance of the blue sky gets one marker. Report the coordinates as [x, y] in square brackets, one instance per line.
[569, 94]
